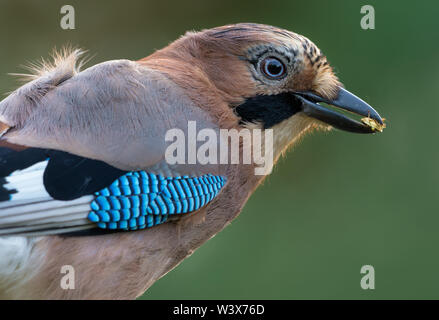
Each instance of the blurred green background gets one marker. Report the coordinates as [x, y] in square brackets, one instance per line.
[338, 201]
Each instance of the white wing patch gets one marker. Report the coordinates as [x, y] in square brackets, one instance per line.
[32, 211]
[28, 183]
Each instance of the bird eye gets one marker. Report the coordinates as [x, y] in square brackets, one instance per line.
[273, 68]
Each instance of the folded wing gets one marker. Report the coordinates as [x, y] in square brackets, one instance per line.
[94, 151]
[51, 192]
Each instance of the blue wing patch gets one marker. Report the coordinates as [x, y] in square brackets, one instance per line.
[139, 200]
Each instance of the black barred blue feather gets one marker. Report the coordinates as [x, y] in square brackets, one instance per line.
[139, 200]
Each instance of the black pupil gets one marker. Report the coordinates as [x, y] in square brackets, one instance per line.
[274, 67]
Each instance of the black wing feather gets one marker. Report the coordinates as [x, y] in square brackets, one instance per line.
[68, 177]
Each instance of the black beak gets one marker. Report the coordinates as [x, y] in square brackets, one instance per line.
[346, 101]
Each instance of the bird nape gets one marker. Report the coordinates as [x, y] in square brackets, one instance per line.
[86, 179]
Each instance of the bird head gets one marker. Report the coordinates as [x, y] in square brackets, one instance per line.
[269, 77]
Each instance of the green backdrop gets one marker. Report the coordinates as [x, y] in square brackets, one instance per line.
[338, 201]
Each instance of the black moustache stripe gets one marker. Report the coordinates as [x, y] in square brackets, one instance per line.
[268, 109]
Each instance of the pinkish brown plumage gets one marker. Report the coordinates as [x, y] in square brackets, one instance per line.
[244, 76]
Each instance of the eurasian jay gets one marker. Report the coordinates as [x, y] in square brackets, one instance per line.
[85, 179]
